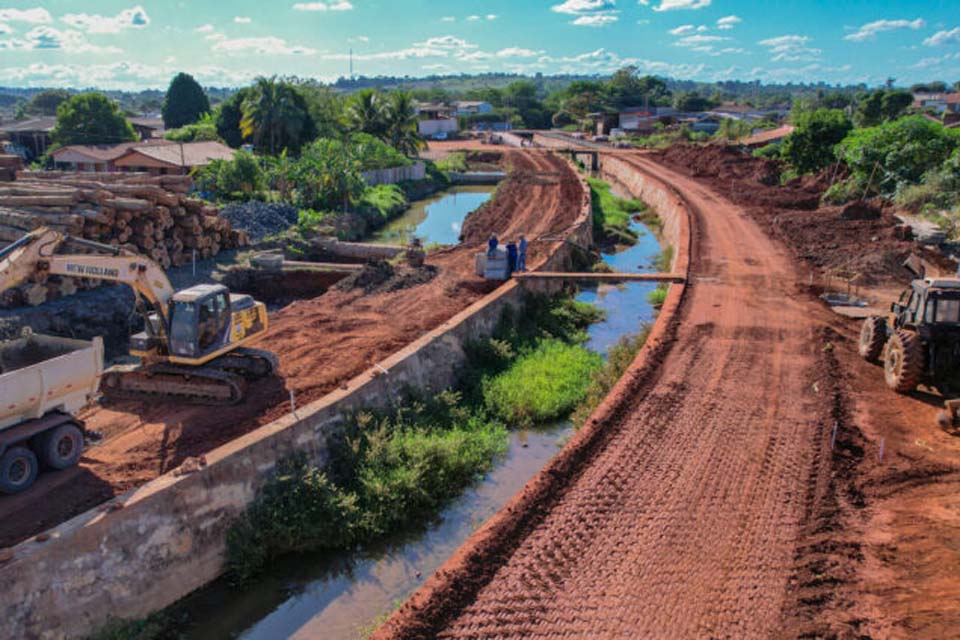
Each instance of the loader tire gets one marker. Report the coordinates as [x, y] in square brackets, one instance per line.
[903, 364]
[873, 335]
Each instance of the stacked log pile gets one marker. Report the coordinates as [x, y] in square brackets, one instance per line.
[152, 215]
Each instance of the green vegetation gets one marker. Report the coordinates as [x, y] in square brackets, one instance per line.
[204, 129]
[612, 215]
[275, 117]
[184, 103]
[392, 469]
[542, 385]
[658, 296]
[456, 161]
[663, 261]
[810, 147]
[46, 102]
[602, 380]
[882, 106]
[90, 118]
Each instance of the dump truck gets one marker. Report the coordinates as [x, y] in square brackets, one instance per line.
[44, 382]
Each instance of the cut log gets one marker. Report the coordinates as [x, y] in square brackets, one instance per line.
[36, 201]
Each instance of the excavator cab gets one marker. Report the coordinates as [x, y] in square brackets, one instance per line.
[206, 320]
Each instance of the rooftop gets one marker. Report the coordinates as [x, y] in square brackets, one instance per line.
[106, 152]
[31, 124]
[188, 154]
[771, 135]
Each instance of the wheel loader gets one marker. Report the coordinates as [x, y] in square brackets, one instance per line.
[192, 347]
[919, 341]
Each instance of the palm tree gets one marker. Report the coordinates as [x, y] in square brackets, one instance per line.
[367, 113]
[400, 118]
[275, 116]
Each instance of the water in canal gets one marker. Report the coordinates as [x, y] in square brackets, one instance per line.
[339, 596]
[436, 219]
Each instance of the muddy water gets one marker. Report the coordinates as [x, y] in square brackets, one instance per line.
[437, 219]
[339, 597]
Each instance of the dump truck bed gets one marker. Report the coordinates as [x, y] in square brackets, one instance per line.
[40, 374]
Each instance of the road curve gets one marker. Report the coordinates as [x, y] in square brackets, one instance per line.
[685, 522]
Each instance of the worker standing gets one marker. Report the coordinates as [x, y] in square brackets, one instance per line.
[492, 246]
[522, 253]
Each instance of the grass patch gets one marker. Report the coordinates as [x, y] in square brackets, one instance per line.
[658, 296]
[542, 385]
[612, 215]
[663, 261]
[384, 201]
[619, 358]
[456, 161]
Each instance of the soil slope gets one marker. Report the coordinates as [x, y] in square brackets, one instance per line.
[684, 521]
[321, 343]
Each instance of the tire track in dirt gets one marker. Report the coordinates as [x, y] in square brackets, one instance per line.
[684, 520]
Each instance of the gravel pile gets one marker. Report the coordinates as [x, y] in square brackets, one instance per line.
[260, 219]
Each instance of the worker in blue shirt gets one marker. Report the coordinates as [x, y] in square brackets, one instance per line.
[522, 255]
[492, 246]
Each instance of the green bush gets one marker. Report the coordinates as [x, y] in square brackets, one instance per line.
[240, 178]
[456, 161]
[542, 385]
[382, 202]
[619, 358]
[658, 296]
[811, 145]
[612, 215]
[771, 151]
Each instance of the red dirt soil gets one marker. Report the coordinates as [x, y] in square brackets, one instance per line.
[678, 515]
[321, 343]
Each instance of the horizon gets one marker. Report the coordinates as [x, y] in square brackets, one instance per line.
[113, 45]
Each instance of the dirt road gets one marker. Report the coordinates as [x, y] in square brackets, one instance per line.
[321, 343]
[684, 521]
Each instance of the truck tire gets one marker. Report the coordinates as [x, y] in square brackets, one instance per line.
[61, 447]
[873, 334]
[18, 469]
[903, 364]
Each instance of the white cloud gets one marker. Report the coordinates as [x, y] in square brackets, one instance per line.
[445, 42]
[5, 29]
[941, 38]
[447, 19]
[49, 38]
[135, 18]
[597, 20]
[728, 22]
[491, 16]
[205, 28]
[517, 52]
[791, 48]
[472, 18]
[682, 29]
[694, 40]
[323, 6]
[268, 45]
[33, 16]
[590, 13]
[242, 20]
[671, 5]
[118, 75]
[870, 30]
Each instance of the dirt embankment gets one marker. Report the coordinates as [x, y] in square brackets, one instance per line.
[678, 515]
[867, 244]
[877, 558]
[321, 343]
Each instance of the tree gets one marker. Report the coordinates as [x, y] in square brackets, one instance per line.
[625, 89]
[811, 146]
[326, 108]
[91, 118]
[400, 120]
[228, 118]
[897, 153]
[205, 129]
[46, 102]
[895, 103]
[276, 117]
[691, 101]
[523, 96]
[366, 112]
[184, 103]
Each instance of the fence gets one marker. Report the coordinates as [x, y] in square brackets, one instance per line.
[416, 171]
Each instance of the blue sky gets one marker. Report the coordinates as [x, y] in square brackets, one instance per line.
[117, 44]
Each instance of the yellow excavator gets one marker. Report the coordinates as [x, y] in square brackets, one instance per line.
[192, 348]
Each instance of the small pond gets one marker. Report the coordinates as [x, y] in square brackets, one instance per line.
[437, 219]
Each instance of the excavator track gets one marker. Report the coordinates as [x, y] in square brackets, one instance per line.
[252, 364]
[196, 385]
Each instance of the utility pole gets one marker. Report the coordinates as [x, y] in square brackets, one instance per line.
[351, 63]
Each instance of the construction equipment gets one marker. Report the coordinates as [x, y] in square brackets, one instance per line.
[44, 382]
[191, 348]
[919, 343]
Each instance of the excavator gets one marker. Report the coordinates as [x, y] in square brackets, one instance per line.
[192, 347]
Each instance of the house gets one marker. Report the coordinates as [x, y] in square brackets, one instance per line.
[940, 103]
[95, 157]
[768, 136]
[30, 138]
[472, 107]
[147, 127]
[436, 120]
[644, 118]
[175, 158]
